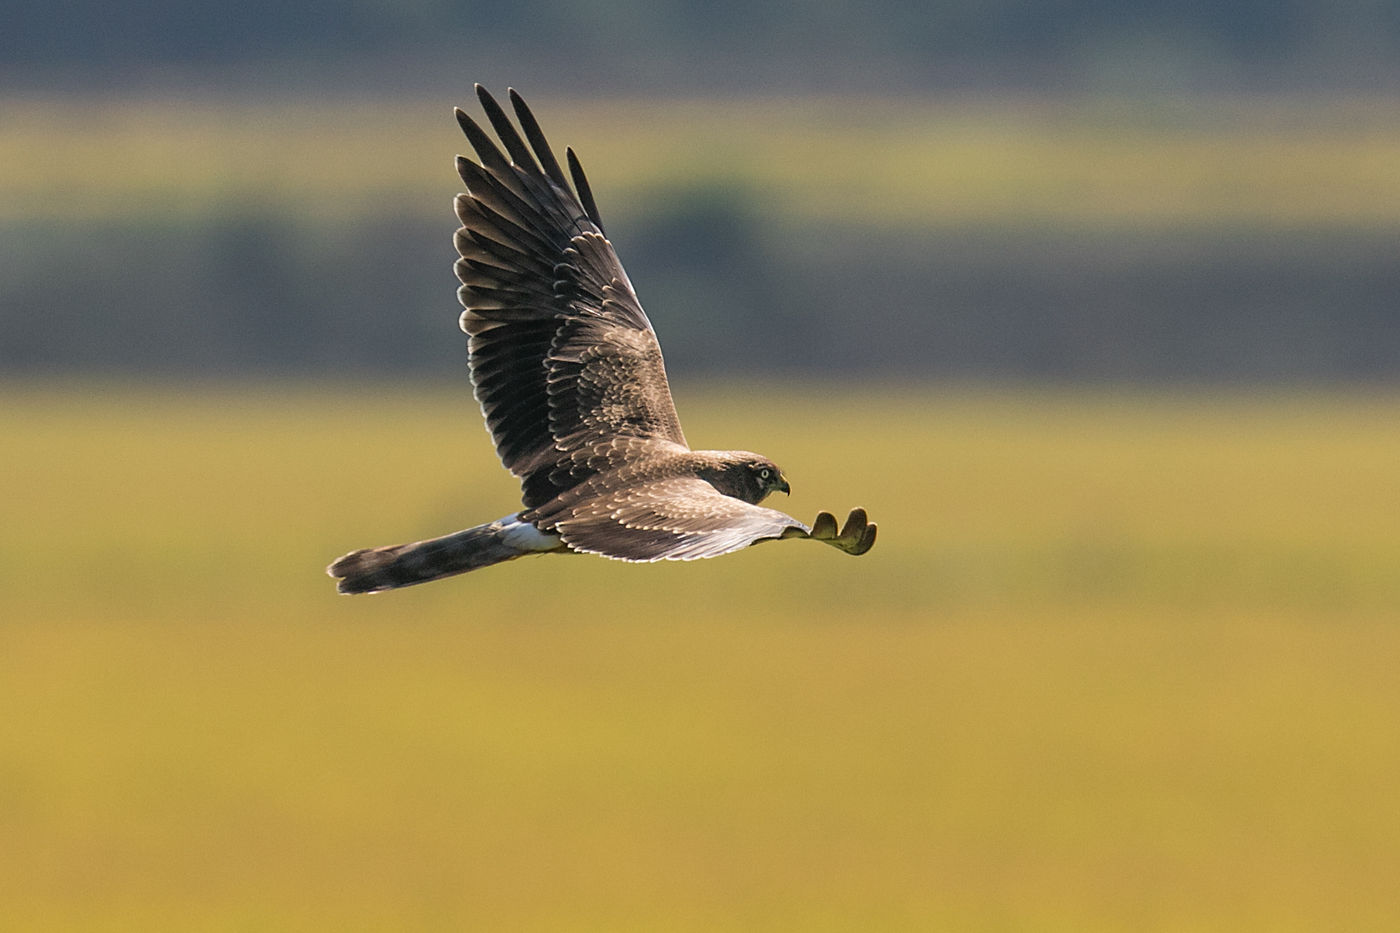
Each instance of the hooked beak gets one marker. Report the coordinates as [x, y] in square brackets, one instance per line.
[782, 485]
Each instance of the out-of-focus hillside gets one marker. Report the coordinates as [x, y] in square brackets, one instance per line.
[1220, 239]
[1081, 191]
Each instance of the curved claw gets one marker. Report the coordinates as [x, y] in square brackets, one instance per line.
[856, 537]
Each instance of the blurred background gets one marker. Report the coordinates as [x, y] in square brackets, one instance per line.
[1077, 191]
[1094, 305]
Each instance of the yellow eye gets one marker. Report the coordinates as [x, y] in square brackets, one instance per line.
[764, 473]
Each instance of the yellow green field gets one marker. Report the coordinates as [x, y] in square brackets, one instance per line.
[1118, 662]
[1261, 163]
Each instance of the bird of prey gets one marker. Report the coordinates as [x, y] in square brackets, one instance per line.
[569, 376]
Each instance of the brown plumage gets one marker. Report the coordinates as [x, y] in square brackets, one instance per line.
[569, 375]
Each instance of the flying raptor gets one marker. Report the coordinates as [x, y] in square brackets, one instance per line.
[569, 376]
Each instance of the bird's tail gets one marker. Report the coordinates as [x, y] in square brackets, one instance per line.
[372, 570]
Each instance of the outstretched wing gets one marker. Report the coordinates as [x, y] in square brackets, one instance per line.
[670, 519]
[564, 362]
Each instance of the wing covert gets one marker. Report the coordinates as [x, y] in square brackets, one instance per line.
[669, 519]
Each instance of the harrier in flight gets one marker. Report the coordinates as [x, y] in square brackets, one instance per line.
[569, 375]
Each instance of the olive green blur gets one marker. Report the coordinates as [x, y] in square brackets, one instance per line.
[1116, 662]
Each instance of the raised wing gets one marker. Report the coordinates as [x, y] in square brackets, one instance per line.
[670, 519]
[563, 359]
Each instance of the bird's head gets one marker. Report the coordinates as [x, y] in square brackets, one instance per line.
[741, 474]
[758, 476]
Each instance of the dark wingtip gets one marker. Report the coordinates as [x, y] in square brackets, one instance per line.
[585, 193]
[535, 135]
[506, 132]
[464, 120]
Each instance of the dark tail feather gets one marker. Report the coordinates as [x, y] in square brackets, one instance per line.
[371, 570]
